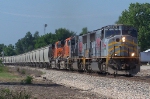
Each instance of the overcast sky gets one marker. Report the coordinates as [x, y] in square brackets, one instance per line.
[17, 17]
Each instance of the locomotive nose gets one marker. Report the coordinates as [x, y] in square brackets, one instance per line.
[121, 46]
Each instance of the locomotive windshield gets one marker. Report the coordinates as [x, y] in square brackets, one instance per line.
[133, 33]
[111, 33]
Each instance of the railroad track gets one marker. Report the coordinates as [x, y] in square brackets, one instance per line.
[98, 74]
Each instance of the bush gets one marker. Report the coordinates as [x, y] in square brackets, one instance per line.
[23, 71]
[27, 80]
[1, 62]
[7, 94]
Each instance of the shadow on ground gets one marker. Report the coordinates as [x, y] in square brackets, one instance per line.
[18, 83]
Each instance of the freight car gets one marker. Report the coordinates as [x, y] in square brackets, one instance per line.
[145, 57]
[111, 49]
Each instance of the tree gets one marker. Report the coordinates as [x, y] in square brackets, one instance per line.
[28, 42]
[40, 42]
[1, 47]
[9, 50]
[63, 33]
[138, 15]
[84, 31]
[19, 47]
[49, 38]
[25, 44]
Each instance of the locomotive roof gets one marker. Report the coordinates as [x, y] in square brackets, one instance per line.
[115, 26]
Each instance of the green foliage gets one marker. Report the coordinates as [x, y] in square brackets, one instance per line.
[23, 71]
[62, 33]
[9, 50]
[84, 31]
[1, 48]
[5, 74]
[3, 69]
[1, 62]
[25, 44]
[49, 38]
[138, 15]
[30, 42]
[8, 94]
[27, 80]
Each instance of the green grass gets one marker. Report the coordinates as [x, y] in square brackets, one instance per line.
[7, 75]
[3, 69]
[4, 73]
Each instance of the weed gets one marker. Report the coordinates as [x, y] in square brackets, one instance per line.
[7, 94]
[27, 80]
[23, 71]
[18, 70]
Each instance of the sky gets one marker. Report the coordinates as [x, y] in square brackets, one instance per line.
[17, 17]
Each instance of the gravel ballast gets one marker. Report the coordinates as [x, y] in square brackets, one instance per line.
[108, 87]
[111, 87]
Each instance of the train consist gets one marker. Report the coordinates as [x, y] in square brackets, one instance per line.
[111, 49]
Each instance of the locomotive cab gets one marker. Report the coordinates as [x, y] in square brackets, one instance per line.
[122, 50]
[58, 49]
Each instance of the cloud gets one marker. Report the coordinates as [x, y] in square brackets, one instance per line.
[25, 15]
[58, 16]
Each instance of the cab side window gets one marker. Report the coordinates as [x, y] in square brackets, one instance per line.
[102, 32]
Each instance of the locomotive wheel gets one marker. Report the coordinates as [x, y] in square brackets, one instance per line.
[80, 66]
[102, 67]
[70, 67]
[88, 68]
[49, 65]
[58, 65]
[115, 74]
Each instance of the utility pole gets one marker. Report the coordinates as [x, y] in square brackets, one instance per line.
[45, 25]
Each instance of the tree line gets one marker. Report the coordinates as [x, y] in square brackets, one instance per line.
[30, 42]
[137, 15]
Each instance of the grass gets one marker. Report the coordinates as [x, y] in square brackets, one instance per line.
[8, 94]
[5, 74]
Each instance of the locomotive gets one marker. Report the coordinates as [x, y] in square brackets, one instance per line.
[111, 49]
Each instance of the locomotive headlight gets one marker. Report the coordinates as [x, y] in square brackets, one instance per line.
[123, 39]
[132, 54]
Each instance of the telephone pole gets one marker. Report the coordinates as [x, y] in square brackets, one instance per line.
[45, 25]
